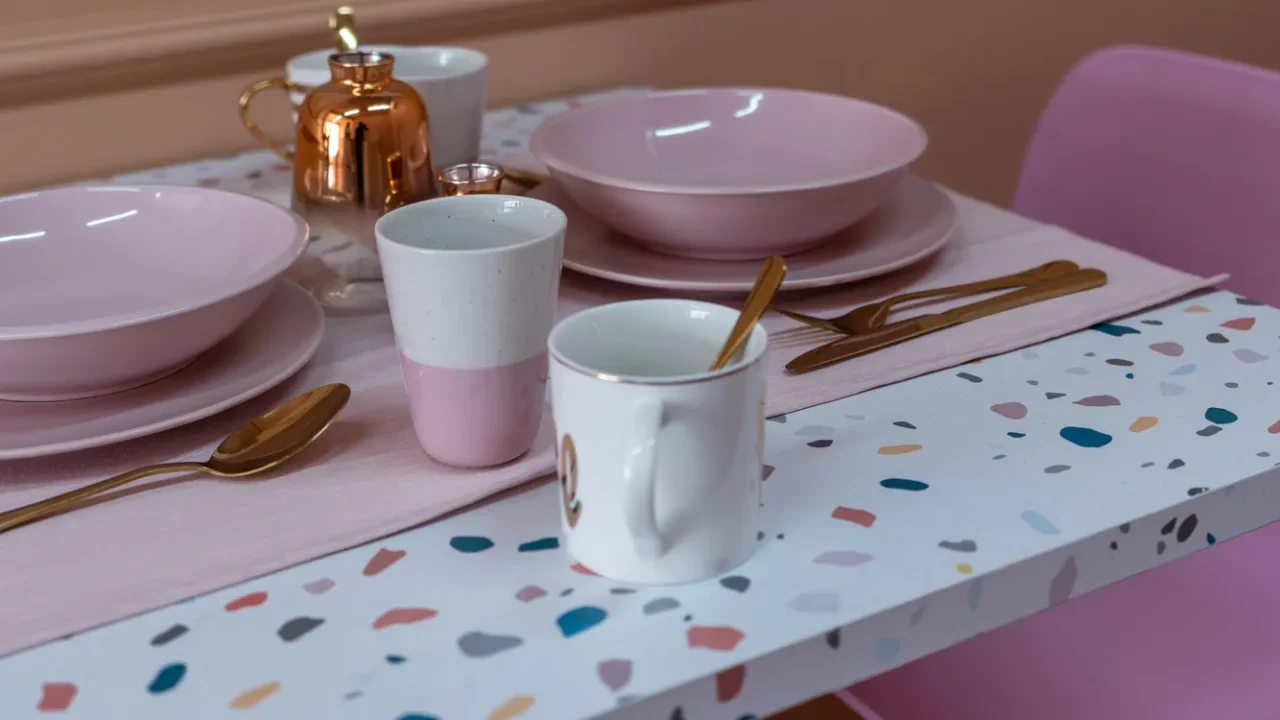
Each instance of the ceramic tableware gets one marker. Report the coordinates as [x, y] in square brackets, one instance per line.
[451, 81]
[260, 445]
[472, 283]
[729, 173]
[915, 222]
[107, 288]
[266, 350]
[659, 459]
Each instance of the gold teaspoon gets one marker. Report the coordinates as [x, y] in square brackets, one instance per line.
[762, 292]
[263, 443]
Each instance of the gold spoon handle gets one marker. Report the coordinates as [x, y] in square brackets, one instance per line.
[58, 503]
[343, 24]
[771, 275]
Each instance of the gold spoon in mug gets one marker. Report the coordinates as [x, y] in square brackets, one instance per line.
[263, 443]
[762, 292]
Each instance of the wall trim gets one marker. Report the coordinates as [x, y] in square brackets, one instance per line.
[60, 64]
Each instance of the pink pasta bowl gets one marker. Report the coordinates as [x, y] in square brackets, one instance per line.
[729, 173]
[107, 288]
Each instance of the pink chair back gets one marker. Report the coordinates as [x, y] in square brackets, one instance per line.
[1175, 157]
[1170, 155]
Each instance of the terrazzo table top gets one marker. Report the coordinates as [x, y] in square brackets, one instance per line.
[896, 523]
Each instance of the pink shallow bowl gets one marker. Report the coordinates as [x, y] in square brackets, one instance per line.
[106, 288]
[729, 173]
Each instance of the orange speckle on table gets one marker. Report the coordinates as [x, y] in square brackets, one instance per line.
[722, 638]
[582, 569]
[729, 683]
[1275, 428]
[1196, 309]
[251, 697]
[246, 601]
[403, 616]
[56, 696]
[857, 516]
[964, 569]
[1244, 323]
[382, 560]
[898, 449]
[512, 708]
[1146, 422]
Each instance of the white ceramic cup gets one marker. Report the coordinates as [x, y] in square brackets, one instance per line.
[659, 460]
[472, 283]
[451, 80]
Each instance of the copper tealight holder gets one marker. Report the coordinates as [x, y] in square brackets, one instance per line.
[471, 179]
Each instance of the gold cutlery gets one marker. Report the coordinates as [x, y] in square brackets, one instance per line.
[343, 24]
[263, 443]
[770, 279]
[855, 345]
[868, 317]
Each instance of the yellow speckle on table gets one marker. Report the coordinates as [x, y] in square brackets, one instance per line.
[514, 707]
[1146, 422]
[1197, 309]
[965, 568]
[898, 449]
[253, 696]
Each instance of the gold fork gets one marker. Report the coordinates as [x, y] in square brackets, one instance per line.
[873, 315]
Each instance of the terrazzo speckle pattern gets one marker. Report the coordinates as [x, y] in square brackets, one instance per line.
[838, 516]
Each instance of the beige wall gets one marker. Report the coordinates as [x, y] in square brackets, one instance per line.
[974, 72]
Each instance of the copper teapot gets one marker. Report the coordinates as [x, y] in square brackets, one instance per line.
[363, 149]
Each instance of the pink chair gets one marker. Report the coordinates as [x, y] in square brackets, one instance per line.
[1175, 157]
[1169, 155]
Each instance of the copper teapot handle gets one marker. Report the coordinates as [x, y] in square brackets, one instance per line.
[246, 98]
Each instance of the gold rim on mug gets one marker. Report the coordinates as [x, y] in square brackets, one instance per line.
[657, 381]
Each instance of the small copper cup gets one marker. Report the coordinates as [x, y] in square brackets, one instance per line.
[471, 179]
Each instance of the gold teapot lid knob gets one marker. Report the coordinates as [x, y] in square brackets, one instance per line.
[343, 24]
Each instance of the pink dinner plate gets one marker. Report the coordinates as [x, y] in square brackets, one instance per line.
[913, 223]
[273, 344]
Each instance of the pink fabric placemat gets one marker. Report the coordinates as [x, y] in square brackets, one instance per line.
[165, 540]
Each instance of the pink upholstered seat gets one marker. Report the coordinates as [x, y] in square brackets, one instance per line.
[1175, 157]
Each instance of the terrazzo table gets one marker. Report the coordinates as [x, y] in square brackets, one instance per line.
[896, 523]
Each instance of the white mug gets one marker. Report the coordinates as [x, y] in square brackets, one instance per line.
[659, 460]
[472, 283]
[451, 80]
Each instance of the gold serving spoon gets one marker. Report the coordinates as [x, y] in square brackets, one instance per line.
[872, 316]
[265, 442]
[762, 292]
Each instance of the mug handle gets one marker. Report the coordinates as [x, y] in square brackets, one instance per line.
[246, 98]
[639, 477]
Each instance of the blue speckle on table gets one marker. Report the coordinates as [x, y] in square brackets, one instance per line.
[581, 619]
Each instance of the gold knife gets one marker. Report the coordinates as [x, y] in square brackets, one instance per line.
[855, 345]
